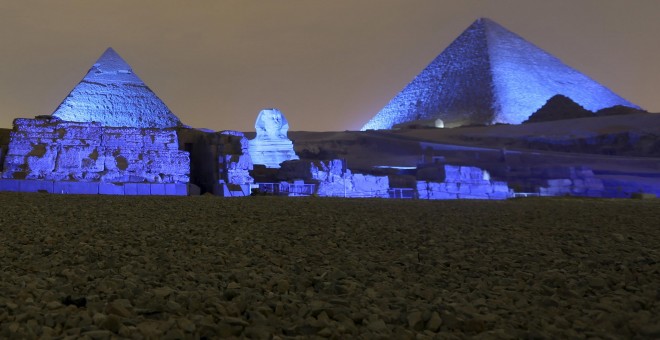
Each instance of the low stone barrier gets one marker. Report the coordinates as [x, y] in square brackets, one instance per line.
[98, 188]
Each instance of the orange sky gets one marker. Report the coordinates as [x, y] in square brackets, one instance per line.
[328, 65]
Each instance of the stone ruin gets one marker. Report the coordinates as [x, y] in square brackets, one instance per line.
[332, 178]
[110, 135]
[463, 182]
[42, 149]
[271, 146]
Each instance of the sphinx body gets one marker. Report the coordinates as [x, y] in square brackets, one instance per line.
[271, 146]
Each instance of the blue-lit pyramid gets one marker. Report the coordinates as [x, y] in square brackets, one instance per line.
[111, 94]
[490, 75]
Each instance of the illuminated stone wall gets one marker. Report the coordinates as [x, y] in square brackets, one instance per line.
[42, 149]
[490, 75]
[463, 182]
[333, 179]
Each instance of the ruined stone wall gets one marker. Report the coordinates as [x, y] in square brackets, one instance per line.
[43, 149]
[463, 182]
[218, 160]
[571, 181]
[333, 179]
[4, 145]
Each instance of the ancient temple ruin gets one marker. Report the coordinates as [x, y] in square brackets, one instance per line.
[111, 135]
[490, 75]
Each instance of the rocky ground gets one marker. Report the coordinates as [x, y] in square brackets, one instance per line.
[270, 267]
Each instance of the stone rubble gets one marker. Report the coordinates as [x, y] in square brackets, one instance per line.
[102, 267]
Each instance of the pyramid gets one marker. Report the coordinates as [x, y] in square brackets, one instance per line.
[490, 75]
[111, 94]
[558, 108]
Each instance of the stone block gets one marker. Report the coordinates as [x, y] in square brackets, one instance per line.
[143, 189]
[158, 189]
[130, 189]
[9, 185]
[78, 188]
[111, 188]
[439, 195]
[480, 189]
[35, 186]
[472, 197]
[498, 195]
[170, 189]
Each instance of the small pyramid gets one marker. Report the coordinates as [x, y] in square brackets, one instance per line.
[558, 108]
[111, 94]
[490, 75]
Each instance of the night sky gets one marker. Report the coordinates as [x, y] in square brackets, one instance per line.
[328, 65]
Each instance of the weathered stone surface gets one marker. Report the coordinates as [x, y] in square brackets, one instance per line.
[464, 182]
[490, 75]
[112, 95]
[271, 146]
[87, 152]
[334, 180]
[235, 160]
[571, 181]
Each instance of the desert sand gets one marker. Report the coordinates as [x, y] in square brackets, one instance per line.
[273, 267]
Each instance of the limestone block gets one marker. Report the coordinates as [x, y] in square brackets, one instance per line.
[472, 197]
[111, 188]
[442, 187]
[170, 189]
[80, 188]
[35, 186]
[440, 195]
[11, 185]
[453, 187]
[143, 188]
[480, 189]
[452, 173]
[498, 195]
[368, 183]
[500, 187]
[157, 189]
[130, 189]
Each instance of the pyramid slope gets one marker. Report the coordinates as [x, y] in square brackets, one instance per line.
[525, 77]
[111, 94]
[490, 75]
[451, 87]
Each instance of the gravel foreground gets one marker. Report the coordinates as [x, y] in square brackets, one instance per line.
[101, 267]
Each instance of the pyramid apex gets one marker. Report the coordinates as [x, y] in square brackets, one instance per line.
[489, 75]
[111, 94]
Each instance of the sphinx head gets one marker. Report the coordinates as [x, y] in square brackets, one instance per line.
[271, 124]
